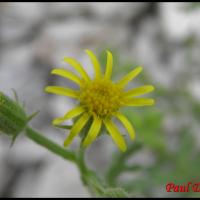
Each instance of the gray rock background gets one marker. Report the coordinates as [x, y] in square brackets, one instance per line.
[34, 37]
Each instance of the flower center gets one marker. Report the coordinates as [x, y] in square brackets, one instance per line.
[101, 97]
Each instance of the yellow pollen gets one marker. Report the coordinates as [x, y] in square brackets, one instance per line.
[101, 97]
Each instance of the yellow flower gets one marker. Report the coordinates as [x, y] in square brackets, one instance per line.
[99, 100]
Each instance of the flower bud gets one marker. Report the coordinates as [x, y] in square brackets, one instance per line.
[13, 118]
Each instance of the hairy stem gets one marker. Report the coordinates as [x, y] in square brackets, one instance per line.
[88, 177]
[78, 159]
[50, 145]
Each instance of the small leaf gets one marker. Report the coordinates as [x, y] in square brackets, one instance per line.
[63, 126]
[33, 115]
[15, 95]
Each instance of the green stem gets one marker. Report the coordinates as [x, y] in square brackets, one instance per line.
[50, 145]
[120, 160]
[81, 161]
[78, 159]
[89, 177]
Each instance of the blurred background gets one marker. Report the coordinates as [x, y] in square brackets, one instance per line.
[162, 37]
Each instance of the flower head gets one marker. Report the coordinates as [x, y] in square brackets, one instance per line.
[100, 99]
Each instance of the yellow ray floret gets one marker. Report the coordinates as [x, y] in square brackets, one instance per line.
[93, 131]
[99, 100]
[138, 91]
[126, 124]
[77, 66]
[66, 74]
[69, 115]
[62, 91]
[115, 134]
[139, 102]
[80, 123]
[109, 65]
[95, 63]
[126, 79]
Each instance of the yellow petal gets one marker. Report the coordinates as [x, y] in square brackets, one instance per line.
[109, 65]
[138, 102]
[124, 81]
[126, 124]
[93, 132]
[79, 124]
[115, 134]
[62, 91]
[138, 91]
[95, 62]
[66, 74]
[70, 114]
[77, 66]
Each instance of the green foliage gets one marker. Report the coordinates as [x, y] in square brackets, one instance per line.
[191, 6]
[148, 125]
[179, 164]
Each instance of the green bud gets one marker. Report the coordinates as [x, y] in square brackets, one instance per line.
[13, 118]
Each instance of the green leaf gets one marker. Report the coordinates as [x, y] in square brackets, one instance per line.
[148, 126]
[63, 126]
